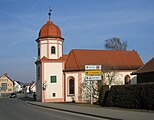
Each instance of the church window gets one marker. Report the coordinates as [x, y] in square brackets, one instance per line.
[53, 79]
[53, 50]
[127, 80]
[71, 86]
[53, 94]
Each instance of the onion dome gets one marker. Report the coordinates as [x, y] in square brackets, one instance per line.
[50, 30]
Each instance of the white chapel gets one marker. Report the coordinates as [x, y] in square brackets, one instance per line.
[59, 76]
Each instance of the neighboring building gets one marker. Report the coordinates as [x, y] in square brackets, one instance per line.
[59, 76]
[6, 85]
[145, 74]
[27, 88]
[17, 86]
[33, 87]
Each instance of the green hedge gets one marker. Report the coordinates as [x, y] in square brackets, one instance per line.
[102, 94]
[140, 96]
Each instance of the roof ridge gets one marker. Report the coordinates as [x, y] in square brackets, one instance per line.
[104, 50]
[142, 68]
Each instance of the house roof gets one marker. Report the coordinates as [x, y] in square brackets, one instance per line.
[32, 85]
[6, 75]
[114, 59]
[148, 67]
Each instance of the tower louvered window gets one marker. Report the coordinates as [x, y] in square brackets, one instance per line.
[53, 50]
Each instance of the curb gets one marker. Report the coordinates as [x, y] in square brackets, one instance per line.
[74, 111]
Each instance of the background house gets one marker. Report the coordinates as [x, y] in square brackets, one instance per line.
[6, 85]
[17, 86]
[33, 87]
[145, 74]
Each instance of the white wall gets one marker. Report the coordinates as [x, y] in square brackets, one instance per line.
[134, 79]
[45, 48]
[17, 87]
[75, 76]
[58, 46]
[120, 79]
[53, 69]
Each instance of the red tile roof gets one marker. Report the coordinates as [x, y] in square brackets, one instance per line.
[45, 59]
[77, 59]
[64, 57]
[148, 67]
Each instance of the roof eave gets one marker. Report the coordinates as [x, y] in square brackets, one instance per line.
[137, 73]
[49, 37]
[75, 70]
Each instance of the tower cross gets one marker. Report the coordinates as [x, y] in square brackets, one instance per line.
[50, 10]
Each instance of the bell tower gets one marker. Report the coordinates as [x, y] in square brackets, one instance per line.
[49, 68]
[50, 42]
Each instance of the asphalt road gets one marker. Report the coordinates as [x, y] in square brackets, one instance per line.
[15, 109]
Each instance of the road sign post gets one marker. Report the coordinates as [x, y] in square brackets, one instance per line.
[91, 96]
[93, 73]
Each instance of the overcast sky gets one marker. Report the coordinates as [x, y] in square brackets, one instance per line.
[85, 24]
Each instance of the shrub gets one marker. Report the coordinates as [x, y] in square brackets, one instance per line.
[102, 94]
[140, 96]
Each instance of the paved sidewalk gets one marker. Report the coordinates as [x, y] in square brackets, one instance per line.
[101, 112]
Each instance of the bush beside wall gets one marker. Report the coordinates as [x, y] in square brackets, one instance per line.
[102, 94]
[140, 96]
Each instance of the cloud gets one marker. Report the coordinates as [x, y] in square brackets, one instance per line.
[17, 17]
[19, 41]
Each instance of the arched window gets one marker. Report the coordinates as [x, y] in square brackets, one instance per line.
[53, 50]
[71, 86]
[127, 79]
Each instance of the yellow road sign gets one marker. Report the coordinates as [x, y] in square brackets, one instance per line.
[93, 72]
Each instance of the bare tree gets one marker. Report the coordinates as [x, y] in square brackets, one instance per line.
[115, 44]
[108, 78]
[111, 78]
[85, 86]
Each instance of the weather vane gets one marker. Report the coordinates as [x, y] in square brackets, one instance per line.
[50, 10]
